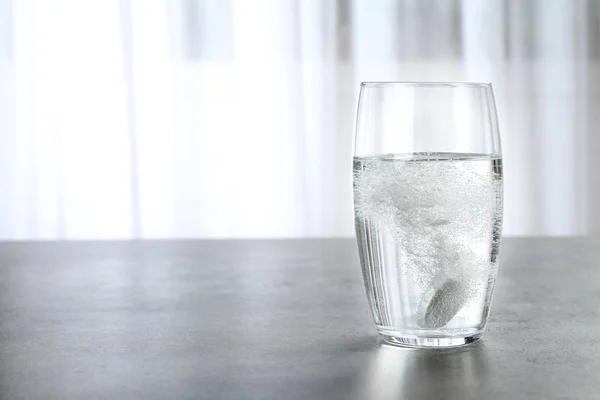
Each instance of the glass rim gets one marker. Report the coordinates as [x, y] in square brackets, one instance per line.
[425, 83]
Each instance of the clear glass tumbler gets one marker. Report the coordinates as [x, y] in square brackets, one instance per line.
[428, 200]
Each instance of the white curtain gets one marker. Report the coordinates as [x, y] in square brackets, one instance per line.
[234, 118]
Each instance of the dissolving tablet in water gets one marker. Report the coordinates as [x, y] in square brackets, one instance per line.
[441, 301]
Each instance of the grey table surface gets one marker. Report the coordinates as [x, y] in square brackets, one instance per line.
[279, 320]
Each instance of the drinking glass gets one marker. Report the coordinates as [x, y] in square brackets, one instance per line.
[428, 201]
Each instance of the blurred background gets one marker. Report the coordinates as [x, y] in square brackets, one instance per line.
[234, 118]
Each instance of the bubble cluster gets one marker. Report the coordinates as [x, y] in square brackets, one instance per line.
[442, 212]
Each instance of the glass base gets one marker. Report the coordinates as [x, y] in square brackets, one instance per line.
[430, 342]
